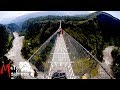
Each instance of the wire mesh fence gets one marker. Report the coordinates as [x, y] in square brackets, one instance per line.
[84, 63]
[42, 57]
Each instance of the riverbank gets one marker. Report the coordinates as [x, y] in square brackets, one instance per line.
[15, 55]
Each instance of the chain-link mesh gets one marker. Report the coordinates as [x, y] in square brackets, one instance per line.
[40, 60]
[84, 65]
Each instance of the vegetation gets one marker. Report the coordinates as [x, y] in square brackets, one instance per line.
[32, 44]
[85, 65]
[13, 27]
[94, 33]
[5, 40]
[36, 34]
[87, 33]
[10, 40]
[116, 63]
[40, 60]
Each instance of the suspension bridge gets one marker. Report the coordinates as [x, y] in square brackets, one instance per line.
[67, 56]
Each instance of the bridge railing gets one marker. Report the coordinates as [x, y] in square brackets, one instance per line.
[41, 58]
[83, 61]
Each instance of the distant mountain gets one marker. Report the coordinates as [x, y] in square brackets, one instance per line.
[19, 20]
[106, 18]
[93, 15]
[13, 27]
[109, 25]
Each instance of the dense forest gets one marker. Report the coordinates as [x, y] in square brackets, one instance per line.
[116, 62]
[13, 27]
[95, 33]
[5, 40]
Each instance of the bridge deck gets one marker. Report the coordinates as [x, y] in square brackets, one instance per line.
[61, 60]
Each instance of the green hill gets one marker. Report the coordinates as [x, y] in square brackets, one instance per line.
[6, 38]
[94, 32]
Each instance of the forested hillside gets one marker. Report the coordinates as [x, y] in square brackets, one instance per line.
[5, 40]
[94, 33]
[38, 30]
[13, 27]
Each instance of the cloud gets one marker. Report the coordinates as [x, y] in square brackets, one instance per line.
[92, 11]
[75, 12]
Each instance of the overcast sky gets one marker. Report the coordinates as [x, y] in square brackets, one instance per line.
[10, 15]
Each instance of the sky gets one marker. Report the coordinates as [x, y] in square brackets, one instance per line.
[10, 15]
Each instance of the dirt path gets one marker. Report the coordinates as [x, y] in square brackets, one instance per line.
[107, 63]
[107, 57]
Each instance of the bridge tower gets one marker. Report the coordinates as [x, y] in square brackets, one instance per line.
[60, 25]
[60, 28]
